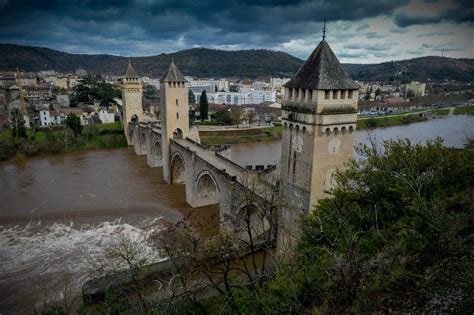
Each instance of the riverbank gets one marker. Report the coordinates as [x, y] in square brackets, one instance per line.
[219, 137]
[59, 140]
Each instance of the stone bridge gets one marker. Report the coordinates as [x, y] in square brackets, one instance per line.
[210, 177]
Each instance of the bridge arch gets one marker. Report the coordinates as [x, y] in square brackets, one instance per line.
[142, 142]
[206, 185]
[177, 169]
[132, 136]
[157, 152]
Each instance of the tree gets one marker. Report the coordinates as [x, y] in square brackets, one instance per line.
[17, 124]
[254, 117]
[391, 236]
[74, 123]
[150, 92]
[223, 117]
[236, 114]
[234, 88]
[368, 93]
[378, 92]
[94, 88]
[233, 262]
[191, 97]
[203, 105]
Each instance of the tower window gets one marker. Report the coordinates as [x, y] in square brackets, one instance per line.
[334, 94]
[310, 95]
[303, 94]
[297, 93]
[177, 102]
[174, 84]
[350, 94]
[177, 115]
[289, 92]
[343, 94]
[327, 94]
[169, 84]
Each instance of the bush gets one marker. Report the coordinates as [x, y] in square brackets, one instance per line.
[395, 234]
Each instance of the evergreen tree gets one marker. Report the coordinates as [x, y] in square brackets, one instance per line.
[17, 124]
[74, 122]
[191, 97]
[203, 105]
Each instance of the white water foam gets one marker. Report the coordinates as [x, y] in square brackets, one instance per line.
[35, 259]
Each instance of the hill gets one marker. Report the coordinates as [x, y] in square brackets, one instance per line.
[200, 62]
[203, 62]
[422, 69]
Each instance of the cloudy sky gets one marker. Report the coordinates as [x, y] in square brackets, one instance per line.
[358, 31]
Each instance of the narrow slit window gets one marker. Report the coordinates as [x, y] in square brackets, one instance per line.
[327, 94]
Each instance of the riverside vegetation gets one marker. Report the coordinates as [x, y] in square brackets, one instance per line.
[394, 235]
[60, 139]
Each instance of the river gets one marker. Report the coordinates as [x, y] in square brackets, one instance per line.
[59, 213]
[454, 130]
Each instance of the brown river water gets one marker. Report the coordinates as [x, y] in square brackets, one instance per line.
[59, 213]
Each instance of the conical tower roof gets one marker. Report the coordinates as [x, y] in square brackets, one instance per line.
[173, 75]
[322, 71]
[131, 73]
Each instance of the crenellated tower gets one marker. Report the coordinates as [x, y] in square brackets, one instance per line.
[319, 118]
[131, 100]
[174, 113]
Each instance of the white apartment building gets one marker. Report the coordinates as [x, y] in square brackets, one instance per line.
[230, 98]
[215, 85]
[260, 96]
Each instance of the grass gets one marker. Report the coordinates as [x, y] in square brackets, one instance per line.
[441, 112]
[241, 136]
[464, 110]
[388, 121]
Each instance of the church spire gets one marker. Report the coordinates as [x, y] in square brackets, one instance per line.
[324, 29]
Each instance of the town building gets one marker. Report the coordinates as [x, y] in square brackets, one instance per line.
[415, 89]
[230, 98]
[277, 83]
[260, 96]
[106, 116]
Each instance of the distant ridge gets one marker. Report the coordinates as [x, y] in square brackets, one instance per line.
[204, 62]
[200, 62]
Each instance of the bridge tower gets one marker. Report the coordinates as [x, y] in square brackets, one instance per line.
[319, 117]
[174, 113]
[131, 101]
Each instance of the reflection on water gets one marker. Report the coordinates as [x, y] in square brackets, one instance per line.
[454, 130]
[58, 213]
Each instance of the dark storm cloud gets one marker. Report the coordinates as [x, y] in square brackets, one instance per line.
[110, 26]
[463, 13]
